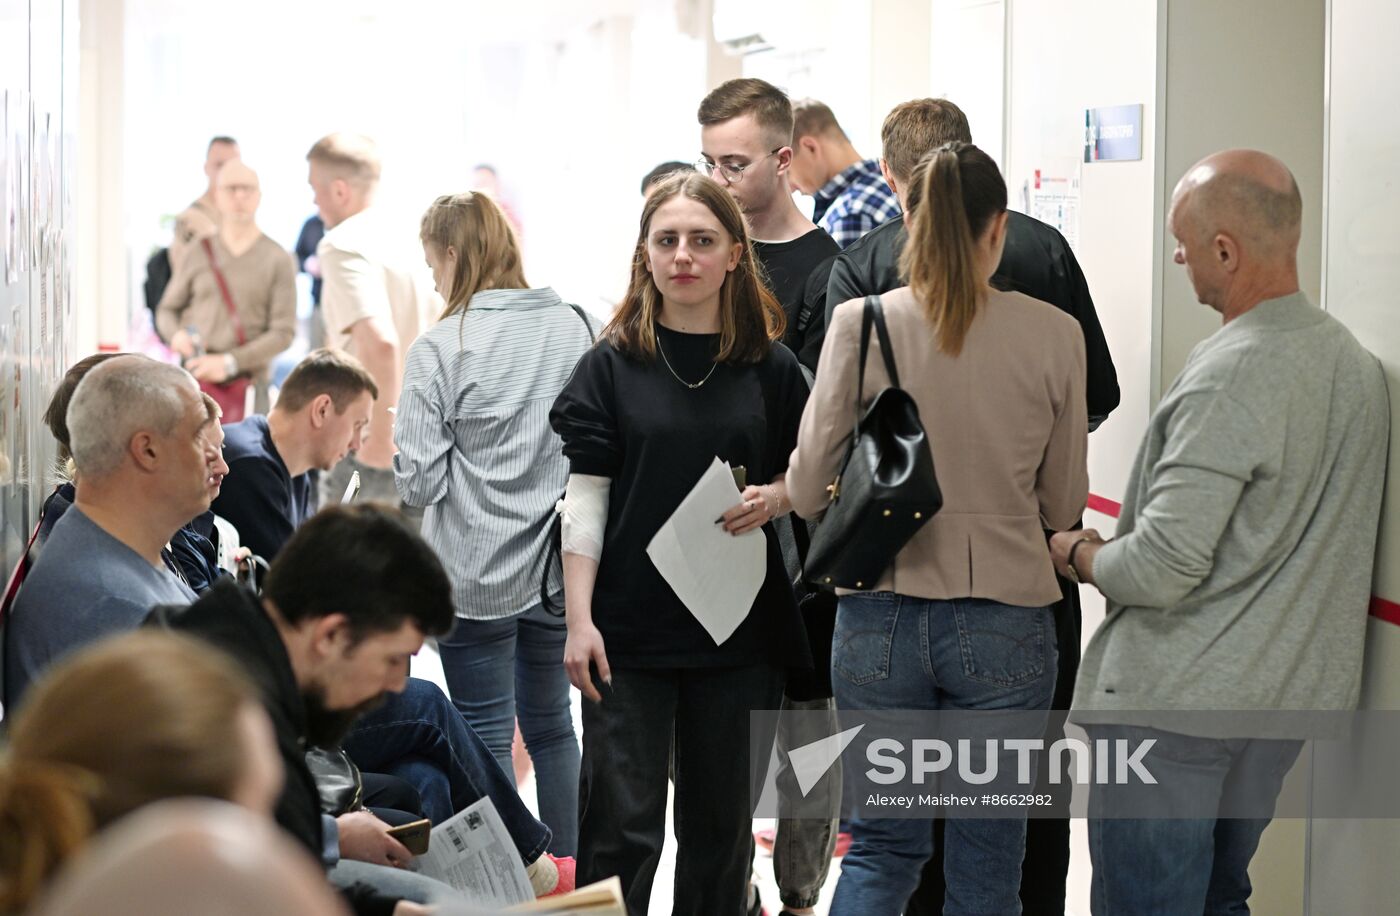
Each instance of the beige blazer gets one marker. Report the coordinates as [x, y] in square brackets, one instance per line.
[1007, 422]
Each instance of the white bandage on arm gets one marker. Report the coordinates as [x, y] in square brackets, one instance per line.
[584, 511]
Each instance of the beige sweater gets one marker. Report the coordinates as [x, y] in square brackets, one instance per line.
[262, 281]
[1008, 429]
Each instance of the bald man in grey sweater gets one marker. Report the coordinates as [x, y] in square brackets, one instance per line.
[1240, 574]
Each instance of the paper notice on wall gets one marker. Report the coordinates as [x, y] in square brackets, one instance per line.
[473, 852]
[1054, 199]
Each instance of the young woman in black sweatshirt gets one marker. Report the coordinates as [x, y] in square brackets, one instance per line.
[688, 370]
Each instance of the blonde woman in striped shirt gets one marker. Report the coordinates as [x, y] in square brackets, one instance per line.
[475, 449]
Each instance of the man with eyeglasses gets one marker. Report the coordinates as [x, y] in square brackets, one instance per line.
[746, 143]
[231, 307]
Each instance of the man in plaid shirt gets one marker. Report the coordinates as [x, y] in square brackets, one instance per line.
[852, 196]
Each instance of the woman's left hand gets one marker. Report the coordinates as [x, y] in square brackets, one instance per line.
[754, 512]
[211, 367]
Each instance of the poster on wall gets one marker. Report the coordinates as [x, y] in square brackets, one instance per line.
[1054, 199]
[1113, 134]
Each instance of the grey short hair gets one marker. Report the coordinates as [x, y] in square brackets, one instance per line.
[118, 399]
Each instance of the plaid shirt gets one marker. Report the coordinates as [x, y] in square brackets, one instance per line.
[854, 202]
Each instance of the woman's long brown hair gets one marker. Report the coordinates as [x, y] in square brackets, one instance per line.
[750, 318]
[488, 255]
[955, 193]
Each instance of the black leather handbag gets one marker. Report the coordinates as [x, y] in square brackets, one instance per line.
[338, 780]
[887, 489]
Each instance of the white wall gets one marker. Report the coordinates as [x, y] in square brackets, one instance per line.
[1066, 57]
[967, 64]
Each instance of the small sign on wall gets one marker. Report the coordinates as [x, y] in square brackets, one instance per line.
[1113, 134]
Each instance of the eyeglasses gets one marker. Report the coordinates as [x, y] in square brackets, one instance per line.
[732, 173]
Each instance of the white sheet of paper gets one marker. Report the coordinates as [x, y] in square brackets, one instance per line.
[473, 852]
[715, 574]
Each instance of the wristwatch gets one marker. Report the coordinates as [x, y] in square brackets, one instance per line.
[1069, 561]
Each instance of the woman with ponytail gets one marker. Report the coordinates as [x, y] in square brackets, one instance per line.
[127, 722]
[961, 619]
[475, 449]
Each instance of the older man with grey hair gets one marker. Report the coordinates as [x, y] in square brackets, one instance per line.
[137, 429]
[1240, 575]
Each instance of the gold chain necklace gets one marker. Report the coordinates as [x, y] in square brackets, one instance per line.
[692, 387]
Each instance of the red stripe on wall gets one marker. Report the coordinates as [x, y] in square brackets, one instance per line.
[1381, 609]
[1388, 611]
[1105, 505]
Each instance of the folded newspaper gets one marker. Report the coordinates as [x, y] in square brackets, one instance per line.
[472, 852]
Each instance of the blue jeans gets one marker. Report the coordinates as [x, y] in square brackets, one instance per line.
[420, 737]
[897, 652]
[1165, 864]
[497, 670]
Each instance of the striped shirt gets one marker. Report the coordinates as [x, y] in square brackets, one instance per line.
[475, 446]
[854, 202]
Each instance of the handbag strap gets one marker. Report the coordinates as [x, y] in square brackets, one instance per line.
[223, 290]
[874, 314]
[592, 338]
[553, 545]
[802, 540]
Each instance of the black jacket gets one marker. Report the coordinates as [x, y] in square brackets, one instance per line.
[1037, 261]
[233, 619]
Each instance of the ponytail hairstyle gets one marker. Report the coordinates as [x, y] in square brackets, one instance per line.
[750, 318]
[129, 721]
[488, 254]
[955, 193]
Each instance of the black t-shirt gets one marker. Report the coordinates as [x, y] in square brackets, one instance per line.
[632, 421]
[797, 276]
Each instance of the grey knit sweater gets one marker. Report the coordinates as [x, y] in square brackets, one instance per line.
[1240, 575]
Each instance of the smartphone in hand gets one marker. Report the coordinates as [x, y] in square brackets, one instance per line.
[414, 836]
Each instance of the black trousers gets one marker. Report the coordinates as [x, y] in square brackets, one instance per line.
[627, 742]
[1046, 865]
